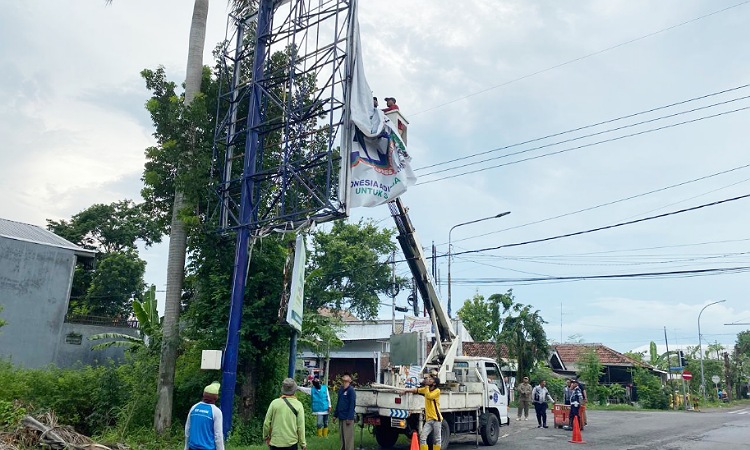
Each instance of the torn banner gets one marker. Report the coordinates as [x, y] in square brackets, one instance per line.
[379, 166]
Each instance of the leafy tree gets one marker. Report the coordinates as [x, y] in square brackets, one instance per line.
[650, 392]
[523, 333]
[345, 269]
[590, 369]
[2, 322]
[148, 325]
[481, 318]
[113, 231]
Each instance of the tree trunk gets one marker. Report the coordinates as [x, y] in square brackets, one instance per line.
[178, 238]
[248, 391]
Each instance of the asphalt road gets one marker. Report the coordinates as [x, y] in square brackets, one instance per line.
[724, 429]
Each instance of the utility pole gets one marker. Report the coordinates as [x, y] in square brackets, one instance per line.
[669, 371]
[393, 291]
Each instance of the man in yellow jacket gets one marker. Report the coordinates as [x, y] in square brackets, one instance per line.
[284, 427]
[432, 417]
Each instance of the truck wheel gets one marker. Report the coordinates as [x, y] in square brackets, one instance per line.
[491, 430]
[385, 436]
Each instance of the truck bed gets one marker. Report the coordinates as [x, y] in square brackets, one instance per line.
[371, 401]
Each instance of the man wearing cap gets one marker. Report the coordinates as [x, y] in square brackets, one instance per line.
[203, 429]
[344, 412]
[284, 427]
[524, 397]
[321, 404]
[576, 398]
[390, 103]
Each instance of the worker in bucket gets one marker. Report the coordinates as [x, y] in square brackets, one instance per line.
[432, 417]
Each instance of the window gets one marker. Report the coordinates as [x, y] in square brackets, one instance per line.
[494, 375]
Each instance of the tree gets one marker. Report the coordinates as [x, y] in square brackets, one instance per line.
[590, 368]
[345, 269]
[113, 231]
[148, 326]
[2, 322]
[481, 318]
[523, 333]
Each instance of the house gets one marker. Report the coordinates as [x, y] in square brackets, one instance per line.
[36, 275]
[565, 361]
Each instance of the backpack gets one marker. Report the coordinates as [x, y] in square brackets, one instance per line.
[536, 396]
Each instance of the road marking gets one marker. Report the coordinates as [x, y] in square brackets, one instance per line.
[505, 435]
[740, 411]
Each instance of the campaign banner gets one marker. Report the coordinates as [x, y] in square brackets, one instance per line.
[417, 324]
[379, 166]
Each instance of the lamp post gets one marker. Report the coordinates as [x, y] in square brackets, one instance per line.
[450, 249]
[700, 346]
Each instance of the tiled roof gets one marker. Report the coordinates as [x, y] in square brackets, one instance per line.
[484, 349]
[38, 235]
[570, 354]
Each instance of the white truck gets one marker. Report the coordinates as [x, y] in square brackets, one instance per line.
[473, 394]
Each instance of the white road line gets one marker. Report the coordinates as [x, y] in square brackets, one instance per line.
[740, 411]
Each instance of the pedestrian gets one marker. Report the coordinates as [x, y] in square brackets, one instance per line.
[524, 397]
[433, 420]
[203, 428]
[344, 412]
[566, 392]
[390, 104]
[539, 396]
[576, 399]
[321, 404]
[284, 427]
[374, 102]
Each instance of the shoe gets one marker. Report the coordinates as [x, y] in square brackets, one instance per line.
[517, 419]
[539, 426]
[566, 427]
[545, 426]
[525, 418]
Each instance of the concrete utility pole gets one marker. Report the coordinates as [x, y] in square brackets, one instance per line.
[450, 249]
[700, 347]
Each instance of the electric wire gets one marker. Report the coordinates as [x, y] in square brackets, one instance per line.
[590, 208]
[606, 227]
[628, 116]
[591, 144]
[580, 58]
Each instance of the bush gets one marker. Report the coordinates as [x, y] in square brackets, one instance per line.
[651, 394]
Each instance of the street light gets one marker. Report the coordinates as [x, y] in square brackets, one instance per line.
[450, 249]
[700, 346]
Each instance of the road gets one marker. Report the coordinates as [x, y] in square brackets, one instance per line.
[724, 429]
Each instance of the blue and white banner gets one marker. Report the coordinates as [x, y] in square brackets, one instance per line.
[379, 166]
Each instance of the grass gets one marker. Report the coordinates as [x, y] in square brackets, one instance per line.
[327, 443]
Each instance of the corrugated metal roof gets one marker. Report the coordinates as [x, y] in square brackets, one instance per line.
[38, 235]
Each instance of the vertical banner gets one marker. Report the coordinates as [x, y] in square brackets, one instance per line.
[295, 307]
[378, 166]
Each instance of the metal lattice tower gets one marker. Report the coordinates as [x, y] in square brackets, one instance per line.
[281, 110]
[282, 113]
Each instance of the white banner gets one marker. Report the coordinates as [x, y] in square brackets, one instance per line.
[378, 161]
[417, 324]
[294, 310]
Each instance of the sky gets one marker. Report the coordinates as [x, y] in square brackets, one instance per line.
[477, 76]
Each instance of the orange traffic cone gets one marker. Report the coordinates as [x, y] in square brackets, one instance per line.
[577, 439]
[414, 441]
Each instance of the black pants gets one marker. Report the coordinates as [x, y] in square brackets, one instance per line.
[541, 413]
[575, 412]
[293, 447]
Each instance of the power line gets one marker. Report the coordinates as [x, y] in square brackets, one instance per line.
[641, 275]
[683, 183]
[580, 58]
[617, 138]
[584, 128]
[607, 227]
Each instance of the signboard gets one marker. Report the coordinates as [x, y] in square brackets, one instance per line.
[715, 379]
[295, 308]
[417, 324]
[687, 375]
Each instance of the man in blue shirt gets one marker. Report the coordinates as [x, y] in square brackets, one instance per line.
[203, 429]
[321, 404]
[345, 412]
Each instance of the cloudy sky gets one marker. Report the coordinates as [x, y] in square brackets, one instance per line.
[473, 77]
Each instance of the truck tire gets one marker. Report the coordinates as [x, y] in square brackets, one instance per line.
[445, 432]
[490, 430]
[385, 436]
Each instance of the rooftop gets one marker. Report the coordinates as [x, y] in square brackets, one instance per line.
[31, 233]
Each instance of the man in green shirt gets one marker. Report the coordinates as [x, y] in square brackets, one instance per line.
[284, 427]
